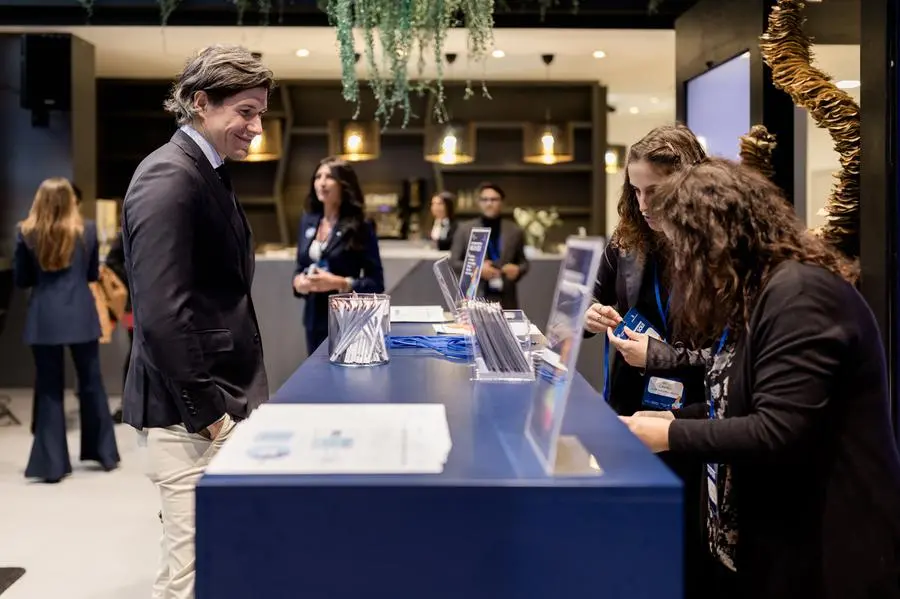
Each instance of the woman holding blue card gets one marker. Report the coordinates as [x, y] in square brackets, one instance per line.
[632, 290]
[633, 281]
[802, 476]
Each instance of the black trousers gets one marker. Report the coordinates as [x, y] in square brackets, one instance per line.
[49, 459]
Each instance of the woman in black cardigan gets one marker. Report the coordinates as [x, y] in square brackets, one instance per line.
[803, 479]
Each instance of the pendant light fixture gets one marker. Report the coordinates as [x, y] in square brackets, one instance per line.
[548, 142]
[354, 141]
[615, 158]
[451, 141]
[267, 145]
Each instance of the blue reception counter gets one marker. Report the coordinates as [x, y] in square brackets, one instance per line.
[490, 526]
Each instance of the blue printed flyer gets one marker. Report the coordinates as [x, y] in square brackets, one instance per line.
[475, 253]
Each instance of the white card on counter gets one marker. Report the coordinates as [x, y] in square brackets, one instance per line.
[417, 314]
[338, 439]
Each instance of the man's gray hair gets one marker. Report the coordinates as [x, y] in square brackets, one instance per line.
[220, 71]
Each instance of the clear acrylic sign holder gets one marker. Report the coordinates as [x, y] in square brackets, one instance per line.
[499, 355]
[448, 282]
[563, 455]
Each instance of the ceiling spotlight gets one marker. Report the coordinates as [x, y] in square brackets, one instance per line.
[634, 110]
[599, 54]
[654, 100]
[498, 53]
[302, 53]
[848, 84]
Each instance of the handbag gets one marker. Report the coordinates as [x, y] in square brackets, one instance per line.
[115, 291]
[103, 312]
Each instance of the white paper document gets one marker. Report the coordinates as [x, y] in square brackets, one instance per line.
[417, 314]
[338, 439]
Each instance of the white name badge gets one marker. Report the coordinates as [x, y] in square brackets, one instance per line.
[495, 284]
[666, 388]
[310, 231]
[663, 394]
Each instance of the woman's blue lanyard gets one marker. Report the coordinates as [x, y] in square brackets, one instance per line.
[721, 345]
[493, 248]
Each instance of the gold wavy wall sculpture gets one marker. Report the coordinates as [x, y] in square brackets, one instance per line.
[756, 150]
[786, 49]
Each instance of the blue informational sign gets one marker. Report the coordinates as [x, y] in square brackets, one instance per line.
[475, 253]
[556, 364]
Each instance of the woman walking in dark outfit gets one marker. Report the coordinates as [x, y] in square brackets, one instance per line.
[56, 257]
[802, 471]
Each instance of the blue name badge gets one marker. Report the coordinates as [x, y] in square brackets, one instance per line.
[659, 393]
[637, 323]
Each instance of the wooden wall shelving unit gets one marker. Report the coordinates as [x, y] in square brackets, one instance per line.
[132, 123]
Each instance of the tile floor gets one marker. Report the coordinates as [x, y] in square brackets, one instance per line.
[95, 535]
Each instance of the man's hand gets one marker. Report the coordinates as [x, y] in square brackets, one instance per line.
[511, 271]
[599, 318]
[301, 283]
[633, 349]
[489, 271]
[212, 431]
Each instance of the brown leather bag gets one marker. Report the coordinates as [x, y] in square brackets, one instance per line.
[115, 291]
[106, 323]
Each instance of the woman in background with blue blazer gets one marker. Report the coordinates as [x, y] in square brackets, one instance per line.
[337, 249]
[56, 257]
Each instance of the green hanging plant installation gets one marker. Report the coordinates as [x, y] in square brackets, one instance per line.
[166, 8]
[401, 29]
[265, 8]
[88, 6]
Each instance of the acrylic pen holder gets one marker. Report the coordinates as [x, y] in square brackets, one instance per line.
[357, 325]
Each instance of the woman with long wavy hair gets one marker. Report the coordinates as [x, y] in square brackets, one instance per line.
[634, 280]
[56, 257]
[802, 468]
[634, 275]
[337, 248]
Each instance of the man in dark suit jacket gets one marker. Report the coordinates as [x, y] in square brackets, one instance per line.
[197, 361]
[505, 263]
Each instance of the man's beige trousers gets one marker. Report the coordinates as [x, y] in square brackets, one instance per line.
[176, 460]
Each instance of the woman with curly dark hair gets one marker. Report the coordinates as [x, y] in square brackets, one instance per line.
[633, 276]
[803, 475]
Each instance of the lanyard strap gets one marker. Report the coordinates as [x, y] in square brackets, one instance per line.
[494, 247]
[663, 312]
[719, 347]
[606, 369]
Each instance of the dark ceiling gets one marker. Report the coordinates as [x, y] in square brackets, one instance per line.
[600, 14]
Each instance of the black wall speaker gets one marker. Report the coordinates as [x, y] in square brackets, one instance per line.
[46, 72]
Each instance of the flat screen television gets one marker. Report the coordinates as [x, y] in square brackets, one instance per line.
[718, 106]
